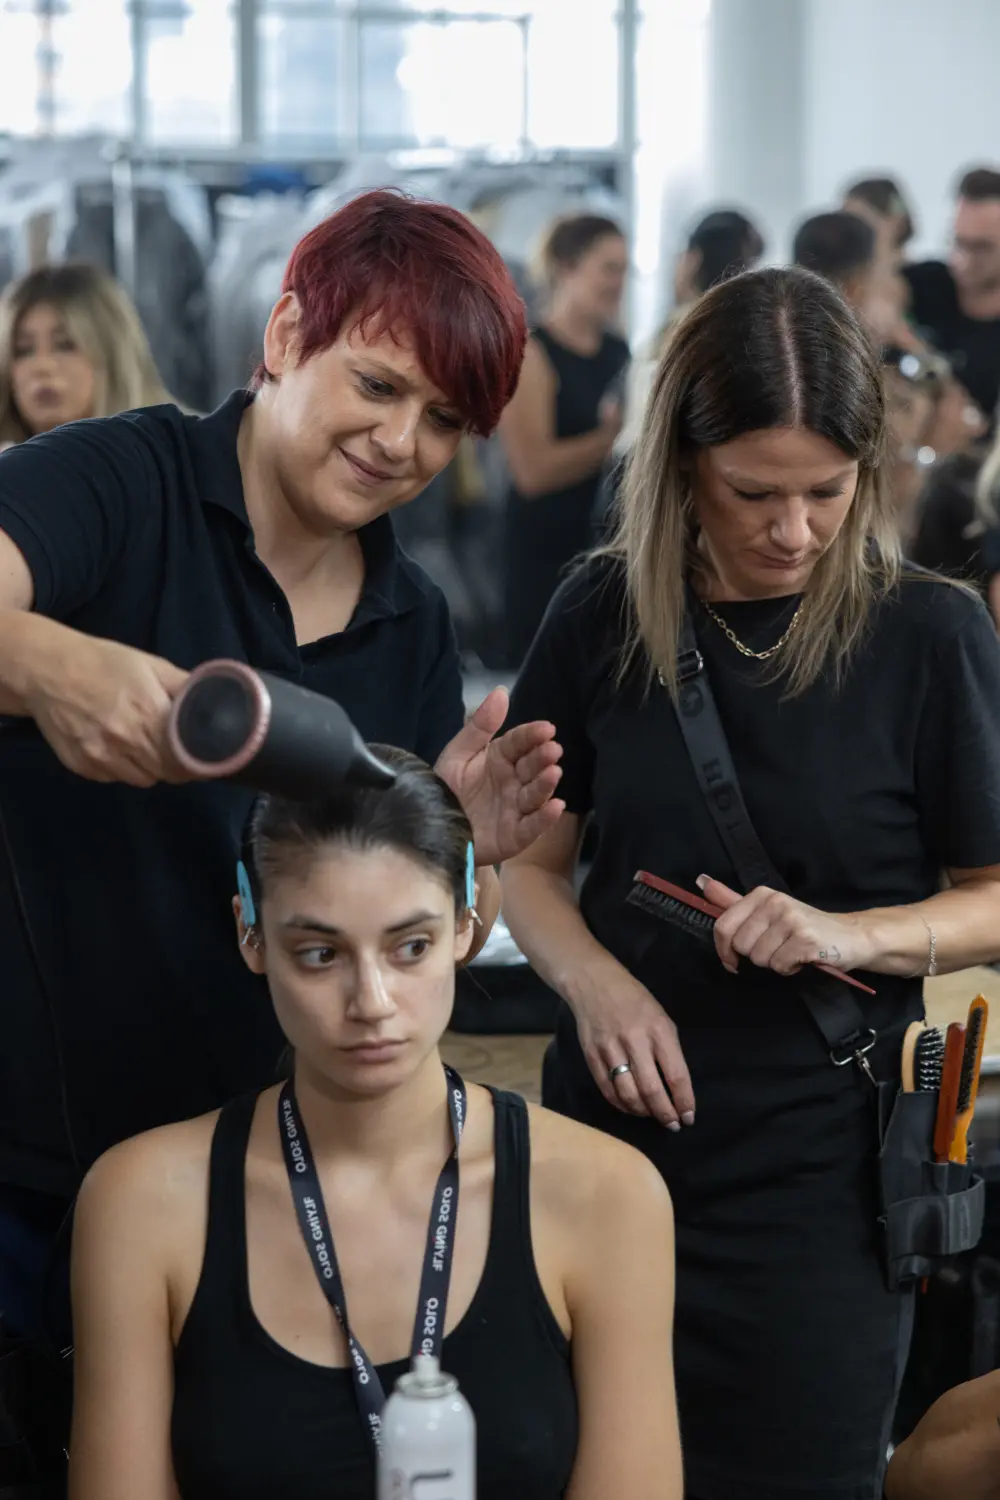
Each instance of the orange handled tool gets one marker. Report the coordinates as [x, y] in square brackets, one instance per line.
[951, 1080]
[968, 1088]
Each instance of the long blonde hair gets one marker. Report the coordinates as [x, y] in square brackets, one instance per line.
[770, 348]
[103, 323]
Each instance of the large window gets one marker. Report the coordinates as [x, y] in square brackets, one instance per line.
[303, 61]
[321, 75]
[573, 73]
[189, 66]
[458, 85]
[68, 72]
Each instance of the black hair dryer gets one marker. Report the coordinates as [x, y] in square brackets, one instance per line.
[233, 723]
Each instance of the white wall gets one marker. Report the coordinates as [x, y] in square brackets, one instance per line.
[910, 87]
[806, 94]
[755, 111]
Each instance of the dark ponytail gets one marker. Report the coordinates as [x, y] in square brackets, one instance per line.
[418, 815]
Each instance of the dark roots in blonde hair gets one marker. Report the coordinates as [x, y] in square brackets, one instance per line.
[771, 348]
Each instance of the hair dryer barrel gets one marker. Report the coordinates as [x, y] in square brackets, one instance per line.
[273, 736]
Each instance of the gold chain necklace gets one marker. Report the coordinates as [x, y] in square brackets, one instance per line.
[732, 636]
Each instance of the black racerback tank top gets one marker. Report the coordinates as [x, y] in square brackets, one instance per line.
[543, 533]
[252, 1421]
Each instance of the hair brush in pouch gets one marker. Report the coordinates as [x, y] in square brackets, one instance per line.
[951, 1082]
[693, 914]
[968, 1087]
[923, 1058]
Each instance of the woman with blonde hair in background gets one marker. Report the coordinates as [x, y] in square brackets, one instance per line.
[71, 346]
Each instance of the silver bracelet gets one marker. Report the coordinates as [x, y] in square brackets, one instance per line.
[931, 969]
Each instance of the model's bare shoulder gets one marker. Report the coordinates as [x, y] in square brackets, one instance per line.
[155, 1183]
[590, 1174]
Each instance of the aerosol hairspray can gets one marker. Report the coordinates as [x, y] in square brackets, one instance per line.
[428, 1444]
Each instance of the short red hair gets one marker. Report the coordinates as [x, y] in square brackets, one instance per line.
[420, 270]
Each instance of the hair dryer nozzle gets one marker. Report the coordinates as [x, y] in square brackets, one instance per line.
[268, 734]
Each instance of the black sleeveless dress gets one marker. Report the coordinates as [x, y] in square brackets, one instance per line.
[252, 1421]
[786, 1339]
[544, 533]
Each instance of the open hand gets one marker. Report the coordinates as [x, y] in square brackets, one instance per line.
[505, 783]
[621, 1022]
[774, 931]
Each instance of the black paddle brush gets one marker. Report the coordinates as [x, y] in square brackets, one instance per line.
[692, 914]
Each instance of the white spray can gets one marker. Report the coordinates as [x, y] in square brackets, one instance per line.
[428, 1441]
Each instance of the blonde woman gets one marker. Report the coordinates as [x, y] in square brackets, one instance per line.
[71, 346]
[862, 707]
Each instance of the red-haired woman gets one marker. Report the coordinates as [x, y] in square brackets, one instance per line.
[134, 547]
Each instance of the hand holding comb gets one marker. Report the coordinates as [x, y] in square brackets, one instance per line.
[671, 903]
[968, 1087]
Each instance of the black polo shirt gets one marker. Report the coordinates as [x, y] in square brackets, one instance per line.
[135, 529]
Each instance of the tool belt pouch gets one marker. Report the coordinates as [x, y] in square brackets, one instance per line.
[931, 1211]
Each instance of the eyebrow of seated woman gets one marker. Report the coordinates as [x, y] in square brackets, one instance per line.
[309, 924]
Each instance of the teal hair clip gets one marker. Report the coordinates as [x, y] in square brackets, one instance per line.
[470, 877]
[246, 896]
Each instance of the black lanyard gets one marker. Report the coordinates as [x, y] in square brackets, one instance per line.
[428, 1330]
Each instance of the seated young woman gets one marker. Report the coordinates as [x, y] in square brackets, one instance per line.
[212, 1364]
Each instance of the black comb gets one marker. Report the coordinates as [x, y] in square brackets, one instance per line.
[696, 915]
[669, 909]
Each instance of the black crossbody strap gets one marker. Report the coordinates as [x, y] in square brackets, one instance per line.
[830, 1002]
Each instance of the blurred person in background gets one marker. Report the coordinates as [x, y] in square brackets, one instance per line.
[559, 430]
[911, 389]
[722, 243]
[955, 306]
[958, 521]
[950, 525]
[71, 346]
[881, 202]
[844, 249]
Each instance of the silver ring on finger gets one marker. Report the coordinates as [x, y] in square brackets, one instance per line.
[618, 1070]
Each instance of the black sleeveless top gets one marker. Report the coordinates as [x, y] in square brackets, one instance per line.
[543, 533]
[252, 1421]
